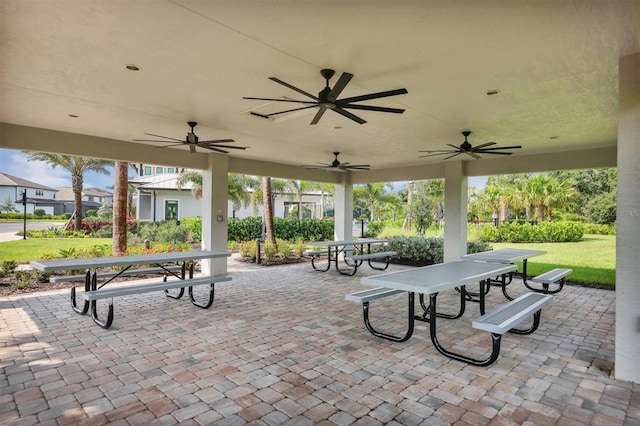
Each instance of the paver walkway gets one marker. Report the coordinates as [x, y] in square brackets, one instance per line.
[281, 346]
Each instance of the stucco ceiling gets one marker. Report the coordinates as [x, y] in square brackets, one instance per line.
[554, 64]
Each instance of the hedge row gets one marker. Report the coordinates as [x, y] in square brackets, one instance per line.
[424, 251]
[250, 228]
[545, 232]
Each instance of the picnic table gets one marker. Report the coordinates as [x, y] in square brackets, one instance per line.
[433, 279]
[124, 266]
[353, 252]
[511, 255]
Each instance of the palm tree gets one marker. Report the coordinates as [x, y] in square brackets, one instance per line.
[373, 194]
[77, 166]
[267, 197]
[299, 188]
[120, 201]
[238, 186]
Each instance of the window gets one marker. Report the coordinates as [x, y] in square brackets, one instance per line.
[147, 170]
[159, 170]
[171, 210]
[171, 170]
[39, 192]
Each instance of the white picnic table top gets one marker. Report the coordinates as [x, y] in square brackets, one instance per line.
[107, 261]
[439, 277]
[337, 243]
[505, 255]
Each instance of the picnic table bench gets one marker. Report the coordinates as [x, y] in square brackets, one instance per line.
[434, 279]
[94, 292]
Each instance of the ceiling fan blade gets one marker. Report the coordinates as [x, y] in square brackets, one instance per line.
[318, 115]
[438, 153]
[451, 156]
[211, 146]
[472, 154]
[342, 82]
[371, 108]
[311, 166]
[173, 144]
[214, 148]
[280, 100]
[358, 166]
[442, 151]
[483, 145]
[495, 152]
[150, 140]
[457, 148]
[218, 141]
[164, 137]
[285, 111]
[349, 115]
[502, 147]
[374, 95]
[277, 80]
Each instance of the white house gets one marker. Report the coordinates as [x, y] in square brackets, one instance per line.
[157, 198]
[37, 196]
[92, 198]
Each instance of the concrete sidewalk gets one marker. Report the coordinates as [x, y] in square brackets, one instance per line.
[281, 346]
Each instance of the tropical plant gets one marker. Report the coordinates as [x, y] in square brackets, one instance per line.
[7, 206]
[373, 194]
[77, 166]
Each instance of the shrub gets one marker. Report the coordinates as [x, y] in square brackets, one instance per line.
[39, 213]
[91, 213]
[601, 229]
[194, 227]
[545, 232]
[374, 228]
[270, 252]
[247, 249]
[285, 248]
[8, 266]
[23, 278]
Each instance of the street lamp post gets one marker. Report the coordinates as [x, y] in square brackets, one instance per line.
[24, 207]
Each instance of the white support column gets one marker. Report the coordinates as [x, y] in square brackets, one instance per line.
[343, 213]
[627, 357]
[214, 212]
[455, 211]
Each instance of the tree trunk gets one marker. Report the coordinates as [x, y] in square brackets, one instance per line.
[77, 183]
[540, 213]
[268, 210]
[120, 197]
[408, 219]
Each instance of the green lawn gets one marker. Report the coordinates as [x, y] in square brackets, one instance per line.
[23, 251]
[593, 259]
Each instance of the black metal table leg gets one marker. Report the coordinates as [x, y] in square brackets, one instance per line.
[87, 286]
[410, 320]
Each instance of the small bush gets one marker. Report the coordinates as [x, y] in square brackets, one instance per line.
[545, 232]
[39, 213]
[599, 229]
[270, 252]
[247, 249]
[8, 266]
[91, 213]
[23, 278]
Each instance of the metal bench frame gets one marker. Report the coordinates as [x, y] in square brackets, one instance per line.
[367, 296]
[555, 276]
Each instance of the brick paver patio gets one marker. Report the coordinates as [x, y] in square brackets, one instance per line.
[281, 346]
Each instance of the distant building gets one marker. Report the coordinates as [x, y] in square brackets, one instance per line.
[38, 196]
[157, 198]
[92, 199]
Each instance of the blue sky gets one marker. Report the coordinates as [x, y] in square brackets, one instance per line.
[13, 162]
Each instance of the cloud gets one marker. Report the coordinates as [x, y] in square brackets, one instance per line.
[36, 171]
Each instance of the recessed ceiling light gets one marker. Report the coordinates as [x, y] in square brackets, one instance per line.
[132, 67]
[338, 127]
[492, 92]
[73, 116]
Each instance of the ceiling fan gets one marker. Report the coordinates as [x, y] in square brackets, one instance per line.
[192, 141]
[328, 99]
[467, 148]
[337, 165]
